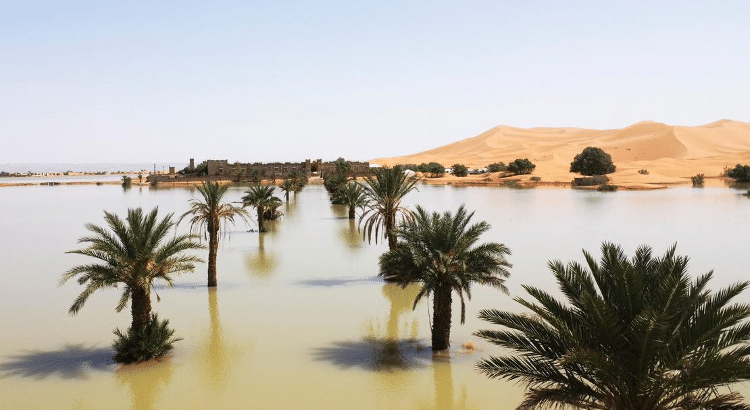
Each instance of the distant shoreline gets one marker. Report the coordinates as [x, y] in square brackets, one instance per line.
[493, 180]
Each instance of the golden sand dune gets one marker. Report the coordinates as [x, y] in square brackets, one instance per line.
[670, 154]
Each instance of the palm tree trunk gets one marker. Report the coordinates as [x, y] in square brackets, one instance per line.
[441, 318]
[351, 212]
[213, 246]
[261, 228]
[140, 307]
[390, 224]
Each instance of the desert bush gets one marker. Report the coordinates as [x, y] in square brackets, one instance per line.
[697, 180]
[521, 166]
[155, 340]
[741, 173]
[643, 171]
[590, 181]
[459, 170]
[496, 167]
[607, 188]
[126, 181]
[432, 170]
[592, 161]
[536, 179]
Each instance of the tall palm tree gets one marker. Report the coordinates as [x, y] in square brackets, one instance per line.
[133, 253]
[385, 189]
[633, 334]
[261, 197]
[438, 251]
[208, 215]
[353, 196]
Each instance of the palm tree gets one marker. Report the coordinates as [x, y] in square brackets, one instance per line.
[299, 181]
[633, 334]
[208, 215]
[384, 190]
[286, 187]
[438, 251]
[134, 253]
[352, 195]
[261, 197]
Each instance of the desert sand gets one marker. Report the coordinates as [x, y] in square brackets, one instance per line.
[670, 154]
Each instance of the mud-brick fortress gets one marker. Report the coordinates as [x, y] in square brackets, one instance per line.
[280, 170]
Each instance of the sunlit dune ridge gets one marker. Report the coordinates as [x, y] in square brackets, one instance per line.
[669, 153]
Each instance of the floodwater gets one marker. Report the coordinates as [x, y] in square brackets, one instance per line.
[300, 319]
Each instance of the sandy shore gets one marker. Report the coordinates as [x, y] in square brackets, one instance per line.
[670, 154]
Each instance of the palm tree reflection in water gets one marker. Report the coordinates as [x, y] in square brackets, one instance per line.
[261, 264]
[145, 381]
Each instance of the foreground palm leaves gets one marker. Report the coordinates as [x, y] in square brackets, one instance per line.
[155, 340]
[439, 251]
[635, 334]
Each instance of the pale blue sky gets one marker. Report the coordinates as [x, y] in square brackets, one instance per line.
[102, 81]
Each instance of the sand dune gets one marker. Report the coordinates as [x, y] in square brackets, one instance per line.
[671, 154]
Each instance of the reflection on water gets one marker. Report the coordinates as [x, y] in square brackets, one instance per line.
[145, 381]
[70, 362]
[217, 356]
[351, 235]
[261, 264]
[340, 211]
[401, 300]
[323, 318]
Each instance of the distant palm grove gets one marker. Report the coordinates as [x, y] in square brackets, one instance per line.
[625, 333]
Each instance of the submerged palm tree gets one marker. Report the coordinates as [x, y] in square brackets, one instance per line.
[439, 251]
[208, 215]
[133, 253]
[353, 196]
[385, 189]
[299, 180]
[261, 197]
[286, 187]
[635, 334]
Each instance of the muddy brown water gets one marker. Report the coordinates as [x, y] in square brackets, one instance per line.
[300, 319]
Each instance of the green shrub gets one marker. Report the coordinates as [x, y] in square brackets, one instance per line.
[592, 161]
[126, 181]
[741, 173]
[432, 170]
[697, 180]
[521, 166]
[155, 340]
[496, 167]
[459, 170]
[607, 188]
[590, 181]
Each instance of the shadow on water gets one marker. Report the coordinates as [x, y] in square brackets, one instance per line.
[70, 362]
[376, 354]
[337, 282]
[145, 381]
[194, 286]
